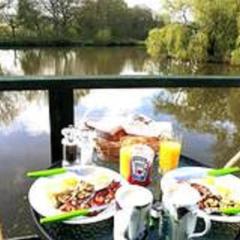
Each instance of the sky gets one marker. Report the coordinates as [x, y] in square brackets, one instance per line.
[153, 4]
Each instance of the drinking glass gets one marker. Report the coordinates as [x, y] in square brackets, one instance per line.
[86, 146]
[169, 152]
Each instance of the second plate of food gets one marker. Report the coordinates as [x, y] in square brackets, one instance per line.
[216, 192]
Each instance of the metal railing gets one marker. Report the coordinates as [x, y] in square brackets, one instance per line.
[61, 96]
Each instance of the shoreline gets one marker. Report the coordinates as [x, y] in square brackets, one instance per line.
[58, 43]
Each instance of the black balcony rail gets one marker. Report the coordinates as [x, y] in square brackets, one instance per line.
[61, 99]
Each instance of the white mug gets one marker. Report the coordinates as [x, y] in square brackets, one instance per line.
[181, 205]
[133, 205]
[184, 227]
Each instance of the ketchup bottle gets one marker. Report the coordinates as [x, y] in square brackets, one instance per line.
[141, 165]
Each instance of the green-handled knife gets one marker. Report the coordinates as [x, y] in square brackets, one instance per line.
[69, 215]
[64, 216]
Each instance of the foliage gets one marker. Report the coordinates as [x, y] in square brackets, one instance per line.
[198, 47]
[169, 41]
[235, 57]
[214, 28]
[140, 21]
[156, 46]
[103, 36]
[80, 21]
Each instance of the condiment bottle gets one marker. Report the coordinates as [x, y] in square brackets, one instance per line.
[136, 163]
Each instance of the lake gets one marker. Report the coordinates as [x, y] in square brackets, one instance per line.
[208, 118]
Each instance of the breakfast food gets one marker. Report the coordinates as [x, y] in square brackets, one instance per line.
[85, 196]
[214, 202]
[208, 199]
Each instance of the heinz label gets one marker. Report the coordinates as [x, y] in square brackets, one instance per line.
[141, 164]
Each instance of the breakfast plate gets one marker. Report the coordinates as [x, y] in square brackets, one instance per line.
[89, 187]
[215, 193]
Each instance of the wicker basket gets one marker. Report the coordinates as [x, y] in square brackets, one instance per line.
[109, 150]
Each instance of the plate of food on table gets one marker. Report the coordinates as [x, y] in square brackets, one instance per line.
[216, 192]
[77, 195]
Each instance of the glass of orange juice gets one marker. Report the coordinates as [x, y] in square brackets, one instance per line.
[169, 153]
[125, 161]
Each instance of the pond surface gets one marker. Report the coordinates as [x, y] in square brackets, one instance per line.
[209, 118]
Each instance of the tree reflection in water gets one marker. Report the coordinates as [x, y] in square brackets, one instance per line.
[214, 111]
[12, 104]
[84, 61]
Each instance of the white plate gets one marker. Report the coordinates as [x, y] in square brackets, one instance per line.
[41, 190]
[231, 181]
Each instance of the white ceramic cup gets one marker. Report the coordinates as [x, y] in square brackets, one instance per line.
[184, 197]
[133, 205]
[184, 228]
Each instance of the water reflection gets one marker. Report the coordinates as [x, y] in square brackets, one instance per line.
[95, 61]
[74, 61]
[24, 144]
[12, 104]
[207, 111]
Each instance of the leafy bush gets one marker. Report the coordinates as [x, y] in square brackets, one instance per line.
[155, 42]
[235, 57]
[199, 31]
[103, 36]
[198, 47]
[170, 41]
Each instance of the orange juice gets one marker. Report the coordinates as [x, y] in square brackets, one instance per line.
[125, 161]
[169, 154]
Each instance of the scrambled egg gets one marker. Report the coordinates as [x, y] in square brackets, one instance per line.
[100, 181]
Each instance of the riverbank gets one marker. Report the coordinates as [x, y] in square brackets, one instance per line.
[9, 44]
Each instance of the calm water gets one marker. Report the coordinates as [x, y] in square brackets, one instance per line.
[209, 118]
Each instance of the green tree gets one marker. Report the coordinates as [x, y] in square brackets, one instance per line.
[60, 14]
[85, 20]
[8, 15]
[198, 47]
[29, 17]
[93, 18]
[213, 28]
[140, 21]
[170, 41]
[103, 36]
[100, 21]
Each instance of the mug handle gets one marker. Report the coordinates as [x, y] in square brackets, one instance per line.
[208, 225]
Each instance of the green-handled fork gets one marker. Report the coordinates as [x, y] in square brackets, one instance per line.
[69, 215]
